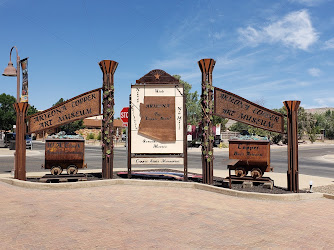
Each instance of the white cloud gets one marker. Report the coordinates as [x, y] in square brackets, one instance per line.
[174, 63]
[293, 30]
[329, 44]
[303, 84]
[308, 2]
[217, 35]
[252, 36]
[314, 72]
[325, 102]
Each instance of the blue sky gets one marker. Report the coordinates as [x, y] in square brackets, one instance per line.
[266, 51]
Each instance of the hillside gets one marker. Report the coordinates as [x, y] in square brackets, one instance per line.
[319, 110]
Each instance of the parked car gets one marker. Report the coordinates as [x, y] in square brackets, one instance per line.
[2, 140]
[28, 142]
[196, 143]
[10, 138]
[216, 141]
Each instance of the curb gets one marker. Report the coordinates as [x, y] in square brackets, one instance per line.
[329, 196]
[199, 186]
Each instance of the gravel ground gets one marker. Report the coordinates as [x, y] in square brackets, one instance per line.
[329, 189]
[218, 182]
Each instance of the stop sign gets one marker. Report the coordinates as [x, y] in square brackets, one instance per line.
[124, 116]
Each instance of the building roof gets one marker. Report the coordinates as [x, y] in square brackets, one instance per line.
[97, 123]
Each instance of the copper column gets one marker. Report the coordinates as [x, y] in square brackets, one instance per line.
[108, 68]
[206, 66]
[292, 129]
[20, 142]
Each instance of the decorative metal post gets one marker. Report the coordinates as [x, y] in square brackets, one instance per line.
[206, 66]
[20, 142]
[21, 110]
[292, 127]
[108, 68]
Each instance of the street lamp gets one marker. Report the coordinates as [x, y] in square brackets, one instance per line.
[11, 71]
[21, 110]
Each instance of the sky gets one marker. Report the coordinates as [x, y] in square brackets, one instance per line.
[267, 51]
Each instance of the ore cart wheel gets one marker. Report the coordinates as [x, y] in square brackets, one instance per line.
[256, 173]
[240, 172]
[72, 169]
[56, 170]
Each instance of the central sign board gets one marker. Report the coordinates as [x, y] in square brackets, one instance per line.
[79, 107]
[231, 106]
[157, 122]
[157, 119]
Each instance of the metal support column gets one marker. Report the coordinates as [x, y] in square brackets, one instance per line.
[108, 68]
[129, 138]
[20, 141]
[292, 130]
[206, 66]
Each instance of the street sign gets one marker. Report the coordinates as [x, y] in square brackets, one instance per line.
[124, 116]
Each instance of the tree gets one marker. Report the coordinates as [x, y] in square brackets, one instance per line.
[192, 103]
[31, 110]
[71, 127]
[239, 127]
[326, 122]
[7, 112]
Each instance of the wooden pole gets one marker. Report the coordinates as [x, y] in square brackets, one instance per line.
[292, 130]
[108, 68]
[206, 66]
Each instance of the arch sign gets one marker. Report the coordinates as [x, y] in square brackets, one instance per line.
[231, 106]
[79, 107]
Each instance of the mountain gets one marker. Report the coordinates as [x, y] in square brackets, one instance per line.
[319, 110]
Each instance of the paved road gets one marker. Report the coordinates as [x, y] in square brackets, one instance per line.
[311, 160]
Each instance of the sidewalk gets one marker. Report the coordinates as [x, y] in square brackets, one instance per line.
[142, 217]
[6, 152]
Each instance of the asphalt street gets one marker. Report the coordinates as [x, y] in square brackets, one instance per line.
[311, 160]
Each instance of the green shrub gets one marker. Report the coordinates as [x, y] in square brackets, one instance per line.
[90, 136]
[99, 136]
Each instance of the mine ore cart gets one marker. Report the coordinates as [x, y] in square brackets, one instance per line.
[250, 155]
[66, 154]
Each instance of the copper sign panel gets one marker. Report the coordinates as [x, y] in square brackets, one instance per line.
[79, 107]
[158, 118]
[250, 150]
[231, 106]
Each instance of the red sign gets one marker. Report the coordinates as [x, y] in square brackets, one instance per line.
[124, 116]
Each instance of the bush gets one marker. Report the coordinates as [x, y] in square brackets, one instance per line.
[276, 138]
[312, 137]
[99, 136]
[90, 136]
